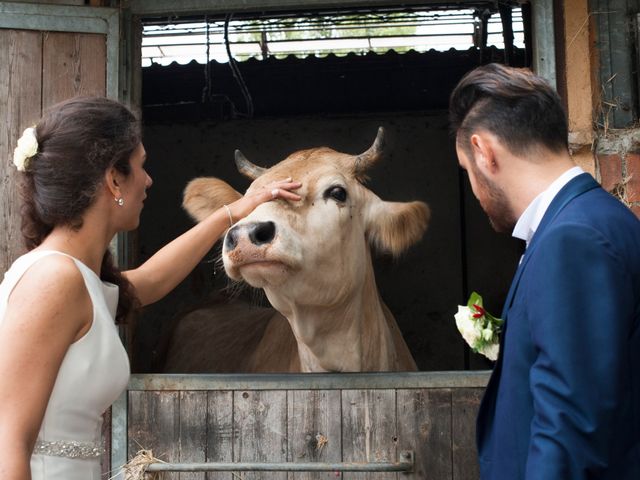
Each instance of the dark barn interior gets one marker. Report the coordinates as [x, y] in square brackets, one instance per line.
[195, 116]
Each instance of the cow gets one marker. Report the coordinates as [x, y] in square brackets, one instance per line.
[312, 258]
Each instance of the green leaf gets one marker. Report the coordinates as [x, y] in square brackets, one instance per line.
[474, 299]
[487, 319]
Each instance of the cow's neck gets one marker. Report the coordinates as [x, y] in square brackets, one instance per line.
[350, 336]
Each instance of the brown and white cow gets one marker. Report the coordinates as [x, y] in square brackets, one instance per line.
[312, 258]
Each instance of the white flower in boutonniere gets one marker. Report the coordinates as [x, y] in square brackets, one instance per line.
[479, 328]
[27, 148]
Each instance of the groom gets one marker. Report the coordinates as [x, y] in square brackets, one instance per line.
[563, 402]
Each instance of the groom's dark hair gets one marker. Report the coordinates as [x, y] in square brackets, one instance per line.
[520, 108]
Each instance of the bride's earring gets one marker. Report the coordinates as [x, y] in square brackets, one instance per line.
[119, 201]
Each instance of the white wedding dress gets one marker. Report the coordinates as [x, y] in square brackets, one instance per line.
[94, 372]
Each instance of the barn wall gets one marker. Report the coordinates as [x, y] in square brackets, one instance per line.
[609, 153]
[618, 156]
[41, 70]
[20, 104]
[422, 288]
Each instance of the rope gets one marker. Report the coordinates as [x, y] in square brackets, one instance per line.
[235, 70]
[207, 90]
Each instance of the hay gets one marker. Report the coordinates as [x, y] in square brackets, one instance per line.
[321, 441]
[620, 191]
[135, 469]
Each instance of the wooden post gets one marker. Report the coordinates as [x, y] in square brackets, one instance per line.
[579, 82]
[20, 86]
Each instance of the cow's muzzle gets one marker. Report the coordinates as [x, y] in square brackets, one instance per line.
[258, 233]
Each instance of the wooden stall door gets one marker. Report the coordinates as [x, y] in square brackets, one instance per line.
[37, 70]
[315, 425]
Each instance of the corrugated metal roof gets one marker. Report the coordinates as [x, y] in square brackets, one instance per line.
[320, 34]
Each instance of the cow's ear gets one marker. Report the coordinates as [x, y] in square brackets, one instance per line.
[205, 195]
[393, 227]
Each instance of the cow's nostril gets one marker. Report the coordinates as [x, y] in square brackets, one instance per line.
[263, 232]
[231, 239]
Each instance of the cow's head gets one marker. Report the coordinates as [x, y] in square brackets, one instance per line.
[314, 251]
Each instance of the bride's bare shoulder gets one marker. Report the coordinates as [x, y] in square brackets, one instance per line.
[51, 291]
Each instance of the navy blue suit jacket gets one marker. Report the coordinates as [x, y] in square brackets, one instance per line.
[563, 402]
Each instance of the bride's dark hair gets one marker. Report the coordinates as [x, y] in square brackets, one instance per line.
[78, 141]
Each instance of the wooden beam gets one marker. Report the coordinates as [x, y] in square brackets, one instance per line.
[579, 81]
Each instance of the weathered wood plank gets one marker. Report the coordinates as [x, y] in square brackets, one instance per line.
[464, 405]
[219, 431]
[73, 64]
[369, 432]
[304, 381]
[20, 107]
[105, 459]
[193, 431]
[314, 430]
[154, 423]
[54, 2]
[260, 430]
[424, 426]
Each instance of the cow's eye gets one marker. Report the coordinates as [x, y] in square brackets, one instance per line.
[337, 193]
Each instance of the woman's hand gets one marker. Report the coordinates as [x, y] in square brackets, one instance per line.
[278, 189]
[173, 262]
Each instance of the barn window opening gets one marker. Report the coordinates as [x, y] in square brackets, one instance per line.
[300, 80]
[320, 34]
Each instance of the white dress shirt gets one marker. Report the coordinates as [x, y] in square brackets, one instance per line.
[532, 216]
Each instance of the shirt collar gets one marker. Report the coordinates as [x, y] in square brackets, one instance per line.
[532, 216]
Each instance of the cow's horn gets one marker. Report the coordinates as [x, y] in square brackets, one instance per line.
[247, 168]
[371, 156]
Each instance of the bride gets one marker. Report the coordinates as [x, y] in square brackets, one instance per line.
[61, 360]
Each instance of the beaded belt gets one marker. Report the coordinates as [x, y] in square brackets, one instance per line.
[69, 449]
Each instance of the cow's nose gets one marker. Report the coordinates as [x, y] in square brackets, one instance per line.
[263, 232]
[231, 240]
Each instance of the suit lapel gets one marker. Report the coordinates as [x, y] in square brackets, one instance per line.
[576, 187]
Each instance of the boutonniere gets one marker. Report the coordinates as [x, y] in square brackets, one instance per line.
[479, 328]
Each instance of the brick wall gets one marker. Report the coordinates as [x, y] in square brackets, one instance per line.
[618, 166]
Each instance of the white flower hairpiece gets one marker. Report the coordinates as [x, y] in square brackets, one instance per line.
[27, 148]
[479, 328]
